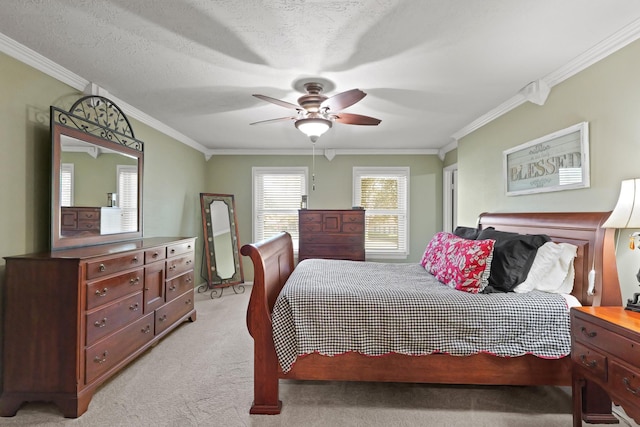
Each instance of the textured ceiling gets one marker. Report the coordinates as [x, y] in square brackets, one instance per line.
[429, 67]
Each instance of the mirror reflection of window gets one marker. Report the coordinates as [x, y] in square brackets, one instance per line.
[127, 199]
[66, 184]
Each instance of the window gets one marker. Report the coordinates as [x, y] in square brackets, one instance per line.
[66, 184]
[277, 193]
[383, 192]
[128, 196]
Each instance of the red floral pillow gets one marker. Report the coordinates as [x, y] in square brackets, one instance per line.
[459, 263]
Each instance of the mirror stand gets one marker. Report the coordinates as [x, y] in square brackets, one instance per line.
[221, 250]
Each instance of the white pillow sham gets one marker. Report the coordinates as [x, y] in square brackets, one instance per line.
[552, 269]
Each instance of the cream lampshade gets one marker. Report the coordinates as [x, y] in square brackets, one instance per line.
[626, 214]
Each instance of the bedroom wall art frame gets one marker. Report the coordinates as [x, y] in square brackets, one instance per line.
[554, 162]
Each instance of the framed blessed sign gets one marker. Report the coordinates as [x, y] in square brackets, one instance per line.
[554, 162]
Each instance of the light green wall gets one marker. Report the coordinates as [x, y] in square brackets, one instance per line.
[173, 176]
[450, 158]
[232, 175]
[607, 95]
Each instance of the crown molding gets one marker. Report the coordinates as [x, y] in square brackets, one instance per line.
[617, 41]
[329, 153]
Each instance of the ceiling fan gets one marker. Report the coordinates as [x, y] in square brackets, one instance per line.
[315, 112]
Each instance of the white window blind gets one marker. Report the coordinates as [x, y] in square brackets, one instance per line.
[66, 184]
[277, 193]
[383, 192]
[127, 199]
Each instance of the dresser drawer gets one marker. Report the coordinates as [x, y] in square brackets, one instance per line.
[112, 317]
[107, 290]
[179, 248]
[107, 353]
[169, 313]
[591, 360]
[624, 382]
[114, 265]
[312, 227]
[179, 285]
[155, 254]
[89, 215]
[179, 265]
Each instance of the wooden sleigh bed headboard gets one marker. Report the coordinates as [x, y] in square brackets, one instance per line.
[274, 262]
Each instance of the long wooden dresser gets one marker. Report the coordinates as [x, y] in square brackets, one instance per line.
[334, 234]
[74, 317]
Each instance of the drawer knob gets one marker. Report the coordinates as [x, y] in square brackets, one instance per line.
[101, 293]
[102, 267]
[102, 359]
[134, 260]
[189, 262]
[173, 267]
[162, 318]
[188, 246]
[189, 279]
[100, 323]
[588, 334]
[155, 255]
[188, 302]
[173, 251]
[134, 281]
[172, 287]
[591, 364]
[627, 384]
[133, 307]
[146, 329]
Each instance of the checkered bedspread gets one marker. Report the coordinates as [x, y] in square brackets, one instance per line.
[332, 307]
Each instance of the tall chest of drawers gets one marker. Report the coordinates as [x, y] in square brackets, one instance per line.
[73, 318]
[331, 234]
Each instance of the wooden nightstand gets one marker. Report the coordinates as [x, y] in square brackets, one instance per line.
[605, 354]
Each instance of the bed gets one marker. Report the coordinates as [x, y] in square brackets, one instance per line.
[273, 262]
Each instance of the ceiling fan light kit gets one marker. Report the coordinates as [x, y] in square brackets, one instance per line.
[313, 127]
[317, 112]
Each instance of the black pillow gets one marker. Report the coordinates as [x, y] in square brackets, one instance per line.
[513, 254]
[466, 232]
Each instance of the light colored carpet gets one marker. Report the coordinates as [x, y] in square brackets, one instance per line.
[201, 375]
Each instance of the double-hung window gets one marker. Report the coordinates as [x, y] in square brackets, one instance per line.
[128, 196]
[66, 184]
[384, 193]
[277, 193]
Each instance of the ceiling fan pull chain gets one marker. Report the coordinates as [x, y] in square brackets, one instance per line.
[313, 167]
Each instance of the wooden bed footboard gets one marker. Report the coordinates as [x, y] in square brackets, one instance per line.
[273, 263]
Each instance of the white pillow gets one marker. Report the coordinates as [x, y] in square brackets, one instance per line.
[552, 269]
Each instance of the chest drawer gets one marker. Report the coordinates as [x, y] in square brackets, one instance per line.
[179, 248]
[89, 215]
[169, 313]
[107, 290]
[107, 353]
[179, 265]
[591, 360]
[155, 254]
[102, 322]
[353, 227]
[179, 285]
[114, 265]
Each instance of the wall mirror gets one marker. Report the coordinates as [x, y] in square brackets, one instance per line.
[221, 244]
[97, 166]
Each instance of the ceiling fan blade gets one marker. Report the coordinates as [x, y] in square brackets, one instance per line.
[280, 119]
[343, 100]
[279, 102]
[356, 119]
